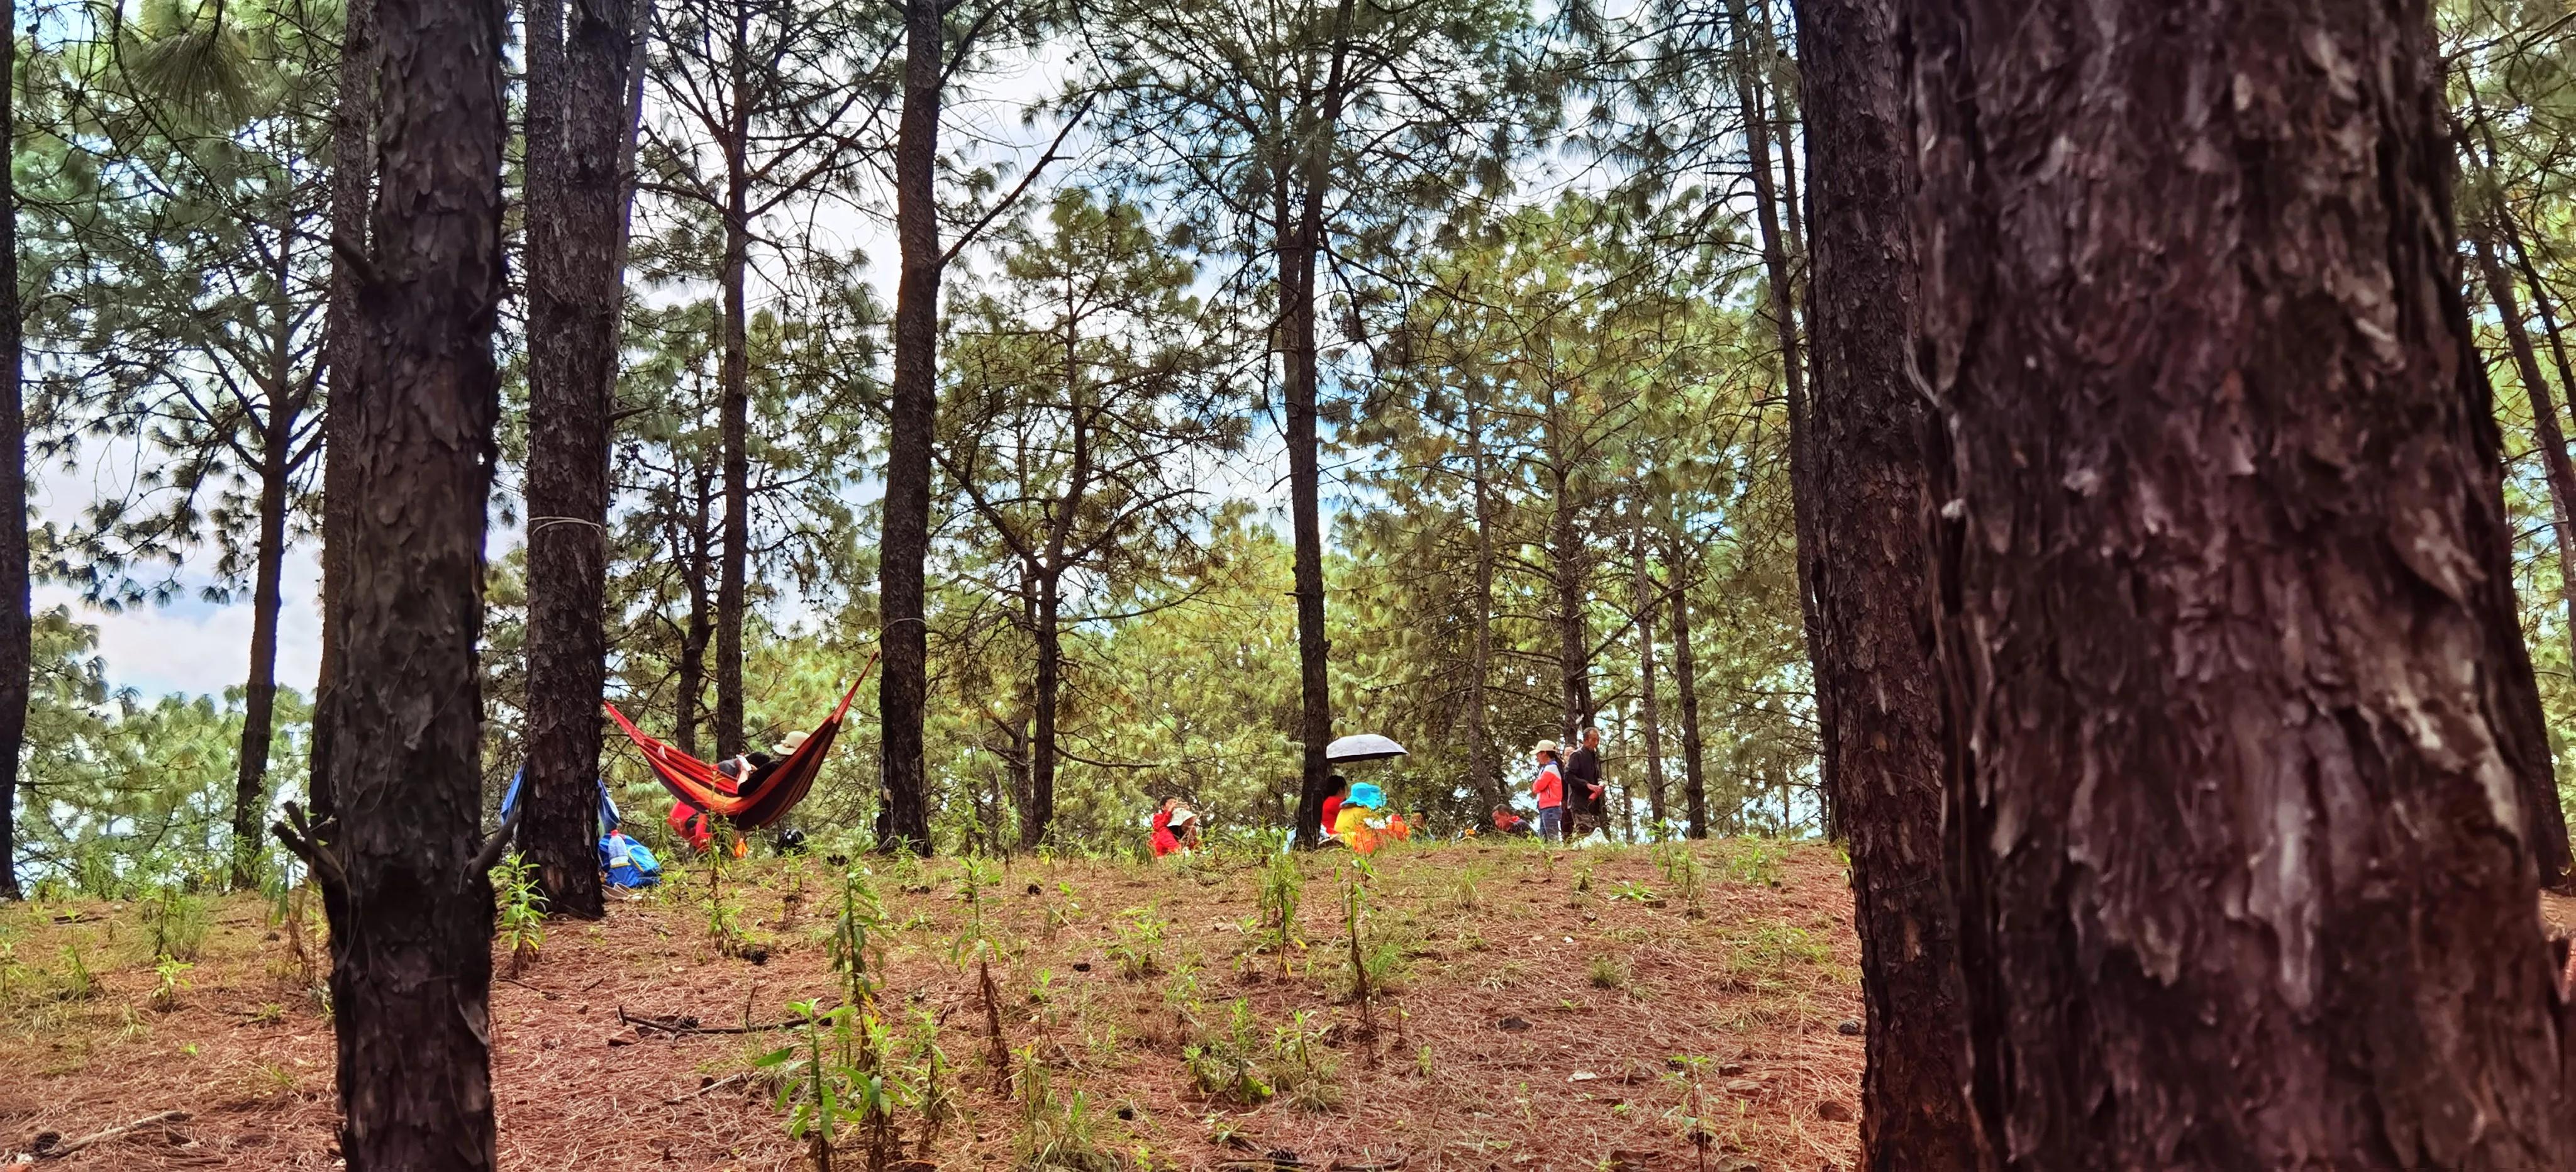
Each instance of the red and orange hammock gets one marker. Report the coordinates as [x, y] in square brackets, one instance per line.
[699, 784]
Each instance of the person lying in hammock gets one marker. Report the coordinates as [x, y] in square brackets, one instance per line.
[753, 770]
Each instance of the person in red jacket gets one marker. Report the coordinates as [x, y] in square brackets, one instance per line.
[1549, 788]
[1336, 788]
[1164, 842]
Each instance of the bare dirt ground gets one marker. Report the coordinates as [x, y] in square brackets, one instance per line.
[1544, 1010]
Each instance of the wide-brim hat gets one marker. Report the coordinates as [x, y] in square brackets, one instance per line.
[1184, 816]
[1365, 794]
[1545, 747]
[788, 746]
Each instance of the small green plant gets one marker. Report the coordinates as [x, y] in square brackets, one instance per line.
[1682, 870]
[1691, 1114]
[178, 922]
[1061, 909]
[269, 1013]
[1607, 973]
[78, 983]
[1636, 893]
[172, 974]
[1283, 886]
[1755, 862]
[934, 1092]
[860, 915]
[1301, 1071]
[1138, 948]
[1422, 1061]
[1583, 877]
[813, 1090]
[1227, 1063]
[523, 910]
[1466, 889]
[1055, 1132]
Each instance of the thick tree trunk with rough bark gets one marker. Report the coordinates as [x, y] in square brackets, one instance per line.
[575, 290]
[259, 689]
[1298, 259]
[17, 604]
[2239, 726]
[903, 689]
[411, 924]
[733, 428]
[1686, 694]
[353, 122]
[1871, 595]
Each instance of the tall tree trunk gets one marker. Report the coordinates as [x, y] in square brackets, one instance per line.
[1648, 719]
[575, 292]
[1482, 770]
[2548, 818]
[2239, 725]
[734, 418]
[353, 122]
[1567, 566]
[1793, 375]
[1300, 251]
[1686, 691]
[903, 688]
[411, 928]
[17, 602]
[1039, 810]
[691, 683]
[259, 691]
[1868, 476]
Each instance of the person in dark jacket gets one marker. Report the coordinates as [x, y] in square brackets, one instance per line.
[1583, 791]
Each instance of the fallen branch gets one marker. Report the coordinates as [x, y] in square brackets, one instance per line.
[689, 1025]
[531, 988]
[49, 1146]
[716, 1085]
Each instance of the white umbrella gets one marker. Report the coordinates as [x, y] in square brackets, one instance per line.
[1363, 747]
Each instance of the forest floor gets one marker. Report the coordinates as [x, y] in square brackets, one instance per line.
[1539, 1010]
[1535, 1008]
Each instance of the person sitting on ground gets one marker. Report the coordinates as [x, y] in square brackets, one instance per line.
[1549, 788]
[1362, 822]
[1185, 828]
[1509, 822]
[1336, 789]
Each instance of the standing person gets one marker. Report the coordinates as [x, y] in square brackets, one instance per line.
[1549, 789]
[1164, 841]
[1584, 798]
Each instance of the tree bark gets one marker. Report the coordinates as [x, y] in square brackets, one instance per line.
[1648, 720]
[411, 926]
[1793, 375]
[353, 120]
[259, 690]
[1686, 692]
[575, 292]
[2239, 724]
[1568, 564]
[1482, 770]
[1300, 250]
[17, 603]
[912, 427]
[734, 403]
[1869, 561]
[1039, 810]
[2549, 819]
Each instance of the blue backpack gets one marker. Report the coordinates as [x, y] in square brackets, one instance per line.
[627, 862]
